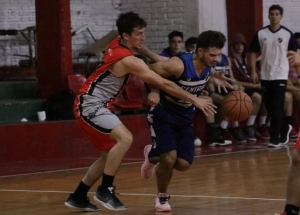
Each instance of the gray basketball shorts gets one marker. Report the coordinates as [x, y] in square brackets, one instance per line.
[103, 120]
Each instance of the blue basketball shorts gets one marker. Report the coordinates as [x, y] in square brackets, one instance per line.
[169, 133]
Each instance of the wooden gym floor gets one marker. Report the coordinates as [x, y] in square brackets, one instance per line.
[240, 179]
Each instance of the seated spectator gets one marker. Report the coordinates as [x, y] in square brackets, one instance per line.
[237, 134]
[293, 88]
[175, 44]
[190, 44]
[297, 36]
[241, 73]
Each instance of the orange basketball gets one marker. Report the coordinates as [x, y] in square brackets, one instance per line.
[237, 106]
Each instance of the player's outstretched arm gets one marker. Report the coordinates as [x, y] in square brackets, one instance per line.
[138, 68]
[220, 80]
[146, 52]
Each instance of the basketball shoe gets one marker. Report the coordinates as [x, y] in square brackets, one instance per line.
[249, 132]
[285, 135]
[214, 138]
[294, 133]
[162, 202]
[107, 197]
[238, 135]
[147, 169]
[274, 143]
[263, 132]
[80, 204]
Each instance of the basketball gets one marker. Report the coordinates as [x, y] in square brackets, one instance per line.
[237, 106]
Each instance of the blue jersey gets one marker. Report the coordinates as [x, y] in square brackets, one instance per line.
[189, 81]
[223, 65]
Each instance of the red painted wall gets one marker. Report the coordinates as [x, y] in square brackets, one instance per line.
[244, 16]
[54, 50]
[35, 147]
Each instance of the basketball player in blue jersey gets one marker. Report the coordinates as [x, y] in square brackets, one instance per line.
[171, 119]
[274, 41]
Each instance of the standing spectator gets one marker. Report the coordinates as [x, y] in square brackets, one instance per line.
[273, 41]
[175, 44]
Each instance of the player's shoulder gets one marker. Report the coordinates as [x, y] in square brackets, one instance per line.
[286, 29]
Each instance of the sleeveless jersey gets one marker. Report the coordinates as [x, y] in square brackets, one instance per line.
[189, 81]
[223, 65]
[102, 85]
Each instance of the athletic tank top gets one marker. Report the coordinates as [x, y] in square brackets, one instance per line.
[102, 85]
[223, 65]
[189, 81]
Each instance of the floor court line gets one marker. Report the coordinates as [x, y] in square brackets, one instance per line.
[132, 163]
[141, 194]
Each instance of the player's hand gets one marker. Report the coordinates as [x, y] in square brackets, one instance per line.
[204, 93]
[206, 106]
[222, 81]
[153, 98]
[254, 77]
[294, 58]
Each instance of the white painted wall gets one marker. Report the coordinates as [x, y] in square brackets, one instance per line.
[162, 16]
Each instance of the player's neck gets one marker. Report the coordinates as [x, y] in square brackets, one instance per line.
[126, 44]
[274, 27]
[198, 65]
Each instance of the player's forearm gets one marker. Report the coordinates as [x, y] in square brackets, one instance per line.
[146, 52]
[253, 57]
[174, 90]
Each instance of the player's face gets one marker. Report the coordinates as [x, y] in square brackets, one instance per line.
[135, 40]
[176, 45]
[190, 48]
[210, 56]
[275, 17]
[239, 47]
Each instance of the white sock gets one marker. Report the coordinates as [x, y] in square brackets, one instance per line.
[251, 120]
[262, 120]
[224, 124]
[235, 124]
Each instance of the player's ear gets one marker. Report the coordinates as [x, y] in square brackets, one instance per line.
[200, 51]
[125, 36]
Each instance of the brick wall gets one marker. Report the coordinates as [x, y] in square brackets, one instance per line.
[162, 17]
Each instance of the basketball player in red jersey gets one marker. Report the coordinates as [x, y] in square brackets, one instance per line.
[104, 129]
[293, 186]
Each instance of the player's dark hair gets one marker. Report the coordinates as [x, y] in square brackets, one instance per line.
[175, 34]
[126, 22]
[276, 7]
[211, 39]
[191, 41]
[297, 35]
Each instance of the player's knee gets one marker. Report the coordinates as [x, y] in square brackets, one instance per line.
[288, 97]
[256, 98]
[127, 140]
[182, 165]
[169, 158]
